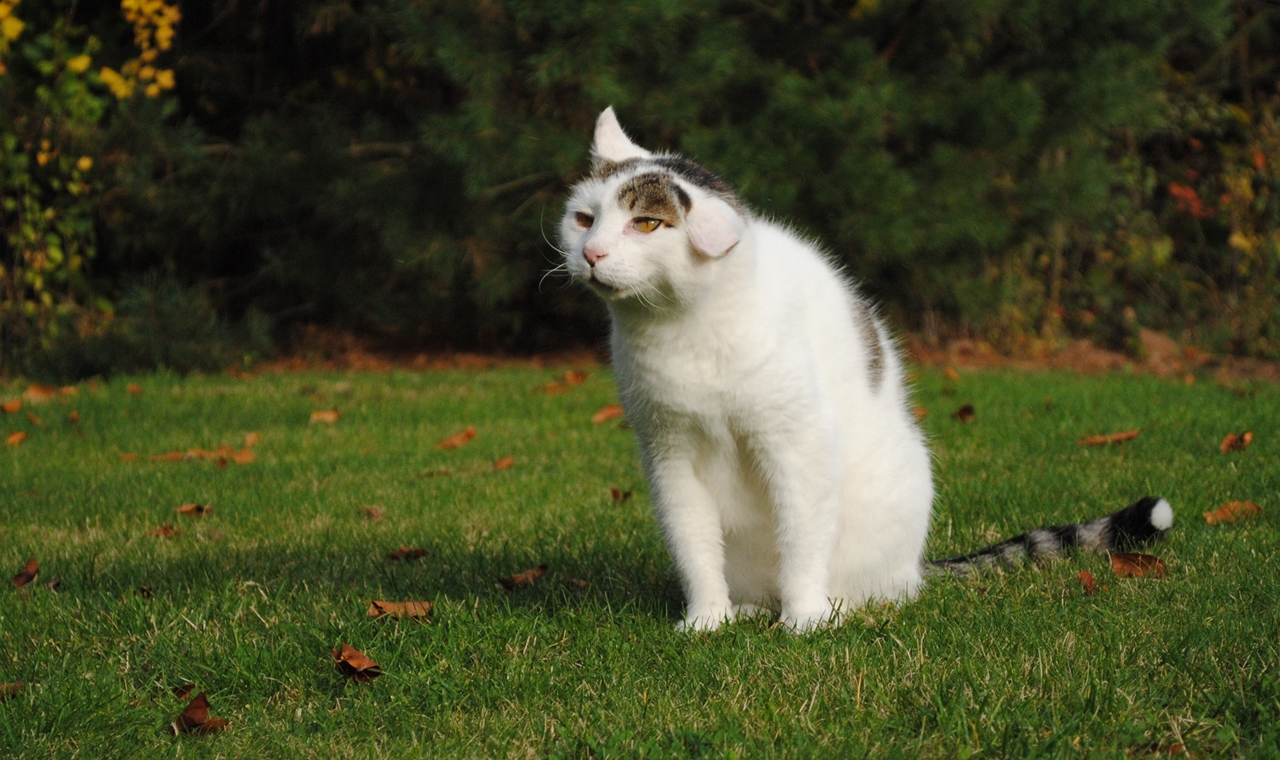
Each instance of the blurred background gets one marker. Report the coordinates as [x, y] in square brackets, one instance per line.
[198, 185]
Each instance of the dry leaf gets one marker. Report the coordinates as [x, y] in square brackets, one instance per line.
[27, 574]
[504, 463]
[10, 407]
[194, 510]
[16, 437]
[1103, 440]
[74, 417]
[457, 439]
[406, 553]
[8, 690]
[35, 420]
[170, 456]
[952, 374]
[328, 416]
[134, 388]
[1232, 512]
[243, 456]
[353, 663]
[607, 413]
[920, 412]
[164, 531]
[575, 377]
[38, 394]
[373, 512]
[183, 690]
[195, 719]
[554, 389]
[1234, 442]
[69, 390]
[577, 583]
[252, 440]
[619, 495]
[1086, 579]
[400, 609]
[1138, 566]
[128, 456]
[965, 413]
[520, 580]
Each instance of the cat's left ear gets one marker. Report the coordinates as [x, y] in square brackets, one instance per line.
[611, 143]
[713, 226]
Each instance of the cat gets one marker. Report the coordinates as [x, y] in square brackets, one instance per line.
[786, 469]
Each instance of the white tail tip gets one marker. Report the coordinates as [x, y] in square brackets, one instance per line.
[1162, 515]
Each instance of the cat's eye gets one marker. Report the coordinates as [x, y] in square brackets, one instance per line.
[648, 225]
[583, 219]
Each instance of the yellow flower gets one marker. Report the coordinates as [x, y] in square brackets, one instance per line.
[11, 27]
[146, 72]
[153, 90]
[164, 78]
[119, 86]
[5, 9]
[42, 158]
[79, 64]
[84, 164]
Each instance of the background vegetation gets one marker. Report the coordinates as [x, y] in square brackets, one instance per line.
[1023, 170]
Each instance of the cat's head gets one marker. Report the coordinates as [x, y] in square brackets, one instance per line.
[645, 226]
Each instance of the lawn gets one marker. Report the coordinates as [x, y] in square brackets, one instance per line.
[248, 601]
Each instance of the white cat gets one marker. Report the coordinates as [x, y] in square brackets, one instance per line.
[785, 466]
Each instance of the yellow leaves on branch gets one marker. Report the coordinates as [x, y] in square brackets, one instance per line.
[153, 31]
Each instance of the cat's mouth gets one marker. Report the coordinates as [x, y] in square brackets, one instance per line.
[599, 284]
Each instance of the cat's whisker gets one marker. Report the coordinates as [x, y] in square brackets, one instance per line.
[562, 267]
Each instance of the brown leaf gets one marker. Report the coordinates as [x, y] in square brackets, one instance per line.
[406, 553]
[11, 407]
[457, 440]
[619, 495]
[134, 388]
[965, 413]
[194, 510]
[1086, 579]
[128, 456]
[8, 690]
[504, 463]
[1103, 440]
[920, 412]
[183, 690]
[164, 531]
[38, 394]
[952, 374]
[373, 512]
[1236, 442]
[609, 412]
[16, 437]
[27, 574]
[73, 417]
[577, 583]
[243, 456]
[195, 719]
[1138, 566]
[69, 390]
[575, 377]
[252, 440]
[353, 663]
[35, 420]
[169, 456]
[327, 416]
[520, 580]
[554, 389]
[400, 609]
[1232, 511]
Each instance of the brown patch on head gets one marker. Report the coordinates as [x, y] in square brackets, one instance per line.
[699, 175]
[654, 195]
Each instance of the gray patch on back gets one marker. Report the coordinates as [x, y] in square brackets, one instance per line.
[871, 337]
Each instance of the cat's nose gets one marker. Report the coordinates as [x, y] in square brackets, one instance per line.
[592, 253]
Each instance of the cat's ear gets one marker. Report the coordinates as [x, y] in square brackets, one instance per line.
[713, 226]
[611, 143]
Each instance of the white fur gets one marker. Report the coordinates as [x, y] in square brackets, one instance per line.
[1162, 515]
[780, 476]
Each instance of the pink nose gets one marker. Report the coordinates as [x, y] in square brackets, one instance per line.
[592, 252]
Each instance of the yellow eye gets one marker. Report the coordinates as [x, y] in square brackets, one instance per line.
[648, 225]
[584, 220]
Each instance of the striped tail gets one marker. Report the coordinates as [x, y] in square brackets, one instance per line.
[1139, 523]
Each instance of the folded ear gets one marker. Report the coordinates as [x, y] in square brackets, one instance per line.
[713, 226]
[611, 143]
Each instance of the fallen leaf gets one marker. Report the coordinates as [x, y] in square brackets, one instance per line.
[38, 394]
[1234, 442]
[373, 512]
[194, 718]
[327, 416]
[619, 495]
[504, 463]
[128, 456]
[243, 456]
[27, 574]
[952, 374]
[170, 456]
[1086, 579]
[194, 510]
[577, 583]
[164, 531]
[920, 412]
[1103, 440]
[554, 389]
[457, 439]
[400, 609]
[406, 553]
[252, 439]
[16, 437]
[35, 420]
[353, 663]
[10, 407]
[607, 413]
[1232, 512]
[8, 690]
[575, 377]
[69, 390]
[965, 413]
[1138, 566]
[183, 690]
[520, 580]
[74, 417]
[134, 388]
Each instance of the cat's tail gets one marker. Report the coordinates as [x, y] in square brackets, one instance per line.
[1139, 523]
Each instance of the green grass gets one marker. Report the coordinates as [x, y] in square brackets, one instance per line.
[248, 602]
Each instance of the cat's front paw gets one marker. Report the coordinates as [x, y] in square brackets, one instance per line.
[705, 620]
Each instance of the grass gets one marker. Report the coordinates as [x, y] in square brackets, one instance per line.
[248, 602]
